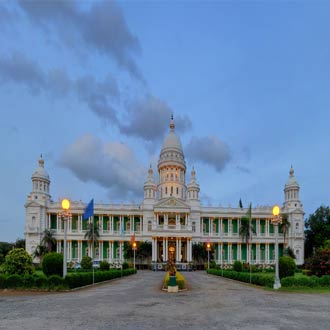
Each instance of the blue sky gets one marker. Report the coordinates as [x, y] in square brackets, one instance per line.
[92, 85]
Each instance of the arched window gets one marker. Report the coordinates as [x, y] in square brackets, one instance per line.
[149, 226]
[194, 226]
[171, 190]
[165, 190]
[297, 226]
[177, 190]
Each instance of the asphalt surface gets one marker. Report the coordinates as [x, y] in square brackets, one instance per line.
[137, 302]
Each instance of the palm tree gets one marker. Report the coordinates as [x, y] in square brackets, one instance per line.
[48, 240]
[284, 226]
[92, 235]
[246, 229]
[39, 252]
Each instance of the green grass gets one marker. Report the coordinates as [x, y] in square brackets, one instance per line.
[306, 290]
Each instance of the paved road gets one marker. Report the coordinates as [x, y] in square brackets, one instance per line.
[136, 302]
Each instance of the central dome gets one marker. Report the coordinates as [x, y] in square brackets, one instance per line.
[172, 152]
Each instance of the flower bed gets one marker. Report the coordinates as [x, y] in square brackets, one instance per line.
[180, 280]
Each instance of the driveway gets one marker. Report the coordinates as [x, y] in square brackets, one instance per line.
[136, 302]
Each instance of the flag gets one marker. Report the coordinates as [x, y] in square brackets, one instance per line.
[89, 210]
[240, 203]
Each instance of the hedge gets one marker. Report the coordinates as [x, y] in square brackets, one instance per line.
[257, 279]
[310, 281]
[72, 280]
[75, 280]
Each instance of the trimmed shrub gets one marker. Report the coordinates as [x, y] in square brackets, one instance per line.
[104, 265]
[257, 279]
[52, 264]
[28, 281]
[238, 266]
[14, 281]
[325, 280]
[86, 262]
[19, 262]
[125, 265]
[55, 281]
[2, 281]
[287, 267]
[74, 280]
[41, 282]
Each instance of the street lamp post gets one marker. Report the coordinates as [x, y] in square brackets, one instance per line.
[208, 248]
[134, 249]
[276, 220]
[65, 216]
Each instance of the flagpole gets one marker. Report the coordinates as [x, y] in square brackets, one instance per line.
[93, 248]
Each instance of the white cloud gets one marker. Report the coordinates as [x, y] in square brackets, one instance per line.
[112, 165]
[209, 150]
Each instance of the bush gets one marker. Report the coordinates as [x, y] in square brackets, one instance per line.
[19, 262]
[287, 267]
[28, 281]
[238, 266]
[319, 264]
[325, 280]
[104, 265]
[41, 281]
[125, 265]
[74, 280]
[14, 281]
[86, 262]
[52, 264]
[55, 281]
[2, 281]
[258, 279]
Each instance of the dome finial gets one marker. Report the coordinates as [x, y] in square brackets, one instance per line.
[291, 171]
[41, 161]
[172, 123]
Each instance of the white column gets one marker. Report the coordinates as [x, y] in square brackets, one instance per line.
[221, 229]
[100, 250]
[267, 253]
[121, 251]
[219, 253]
[177, 250]
[230, 229]
[239, 251]
[164, 247]
[79, 250]
[111, 251]
[166, 221]
[156, 249]
[258, 253]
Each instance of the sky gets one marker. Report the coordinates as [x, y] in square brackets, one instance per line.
[92, 85]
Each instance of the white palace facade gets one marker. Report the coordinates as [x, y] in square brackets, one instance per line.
[170, 216]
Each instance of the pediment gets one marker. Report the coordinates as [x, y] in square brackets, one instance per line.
[32, 203]
[171, 203]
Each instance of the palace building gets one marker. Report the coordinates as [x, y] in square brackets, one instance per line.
[170, 216]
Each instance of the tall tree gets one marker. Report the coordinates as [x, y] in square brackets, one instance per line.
[39, 252]
[246, 229]
[48, 240]
[317, 230]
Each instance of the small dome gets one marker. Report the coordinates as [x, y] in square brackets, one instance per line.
[40, 171]
[292, 180]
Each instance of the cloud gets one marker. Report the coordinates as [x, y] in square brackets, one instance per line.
[111, 165]
[149, 119]
[100, 27]
[209, 150]
[98, 95]
[19, 69]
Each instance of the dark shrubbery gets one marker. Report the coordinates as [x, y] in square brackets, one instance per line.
[41, 282]
[55, 281]
[14, 281]
[74, 280]
[311, 282]
[319, 264]
[86, 263]
[287, 266]
[104, 265]
[125, 265]
[258, 279]
[238, 266]
[52, 264]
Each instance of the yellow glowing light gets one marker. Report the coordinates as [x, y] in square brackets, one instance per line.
[276, 210]
[65, 204]
[208, 245]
